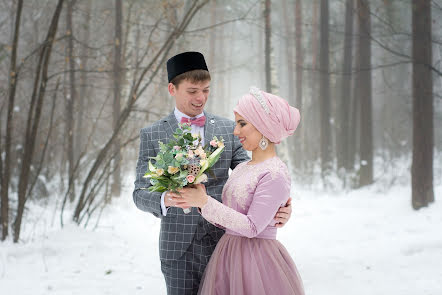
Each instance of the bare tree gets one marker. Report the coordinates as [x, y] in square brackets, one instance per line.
[324, 91]
[299, 142]
[6, 174]
[268, 45]
[71, 97]
[423, 132]
[116, 184]
[33, 118]
[81, 99]
[345, 97]
[288, 25]
[299, 53]
[313, 152]
[364, 93]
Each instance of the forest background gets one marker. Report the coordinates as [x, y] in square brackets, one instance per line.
[80, 78]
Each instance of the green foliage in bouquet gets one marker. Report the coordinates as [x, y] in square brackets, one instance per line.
[182, 161]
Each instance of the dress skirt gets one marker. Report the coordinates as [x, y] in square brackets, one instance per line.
[240, 265]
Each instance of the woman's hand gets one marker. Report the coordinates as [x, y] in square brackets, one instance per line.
[194, 196]
[284, 213]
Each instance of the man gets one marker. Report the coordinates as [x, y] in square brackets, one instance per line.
[188, 240]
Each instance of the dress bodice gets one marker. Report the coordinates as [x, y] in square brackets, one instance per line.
[251, 197]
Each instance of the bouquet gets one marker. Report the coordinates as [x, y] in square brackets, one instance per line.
[183, 161]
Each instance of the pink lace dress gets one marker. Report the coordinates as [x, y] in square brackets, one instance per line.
[248, 259]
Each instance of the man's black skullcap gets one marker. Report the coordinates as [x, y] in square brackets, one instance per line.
[185, 62]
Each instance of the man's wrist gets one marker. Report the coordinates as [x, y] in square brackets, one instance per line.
[164, 209]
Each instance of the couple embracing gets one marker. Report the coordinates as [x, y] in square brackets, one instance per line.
[227, 243]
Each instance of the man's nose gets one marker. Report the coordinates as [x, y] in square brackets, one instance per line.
[201, 97]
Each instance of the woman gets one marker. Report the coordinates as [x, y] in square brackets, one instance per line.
[248, 259]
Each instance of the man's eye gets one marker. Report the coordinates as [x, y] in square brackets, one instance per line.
[192, 92]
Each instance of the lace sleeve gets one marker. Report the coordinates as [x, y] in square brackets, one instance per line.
[270, 194]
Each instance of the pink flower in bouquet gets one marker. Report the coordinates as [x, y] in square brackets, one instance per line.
[199, 151]
[213, 143]
[190, 154]
[190, 178]
[176, 147]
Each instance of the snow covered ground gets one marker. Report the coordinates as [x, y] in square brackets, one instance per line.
[365, 242]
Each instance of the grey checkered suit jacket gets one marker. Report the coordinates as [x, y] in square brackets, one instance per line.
[178, 229]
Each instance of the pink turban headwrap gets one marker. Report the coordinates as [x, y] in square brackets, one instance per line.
[270, 114]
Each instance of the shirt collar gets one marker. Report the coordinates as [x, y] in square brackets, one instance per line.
[178, 115]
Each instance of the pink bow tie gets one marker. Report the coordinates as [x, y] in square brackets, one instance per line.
[198, 121]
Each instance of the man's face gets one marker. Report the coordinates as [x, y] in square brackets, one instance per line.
[190, 98]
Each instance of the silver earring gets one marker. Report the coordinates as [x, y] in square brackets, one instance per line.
[263, 143]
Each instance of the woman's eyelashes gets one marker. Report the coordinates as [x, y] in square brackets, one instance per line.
[241, 123]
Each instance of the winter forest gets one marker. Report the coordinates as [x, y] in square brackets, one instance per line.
[80, 78]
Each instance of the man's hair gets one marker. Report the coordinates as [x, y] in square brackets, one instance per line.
[194, 76]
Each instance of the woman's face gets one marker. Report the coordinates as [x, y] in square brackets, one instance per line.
[248, 135]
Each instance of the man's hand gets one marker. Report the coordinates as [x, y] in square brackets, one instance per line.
[170, 202]
[283, 214]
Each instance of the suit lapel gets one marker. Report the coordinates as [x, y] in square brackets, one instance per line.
[171, 124]
[209, 127]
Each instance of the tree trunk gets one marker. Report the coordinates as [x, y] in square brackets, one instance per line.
[353, 142]
[70, 100]
[213, 37]
[116, 184]
[423, 141]
[82, 98]
[345, 100]
[324, 91]
[6, 175]
[314, 149]
[298, 140]
[34, 117]
[289, 53]
[364, 93]
[294, 146]
[299, 54]
[268, 45]
[220, 79]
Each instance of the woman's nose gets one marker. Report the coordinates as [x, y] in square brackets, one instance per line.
[236, 131]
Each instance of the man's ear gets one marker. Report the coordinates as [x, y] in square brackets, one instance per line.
[172, 89]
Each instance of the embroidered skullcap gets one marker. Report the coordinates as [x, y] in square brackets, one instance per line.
[185, 62]
[270, 114]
